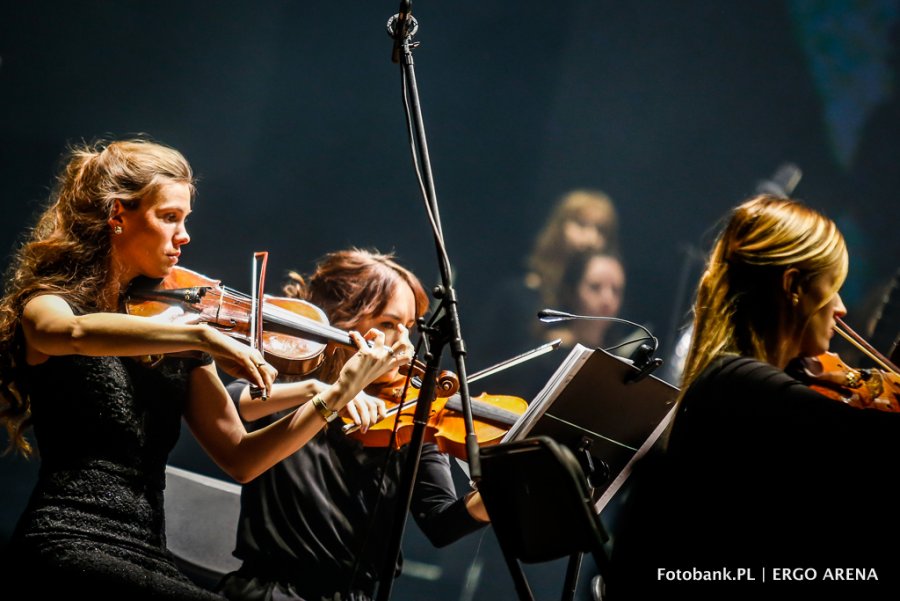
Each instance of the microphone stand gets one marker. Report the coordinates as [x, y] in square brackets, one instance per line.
[443, 328]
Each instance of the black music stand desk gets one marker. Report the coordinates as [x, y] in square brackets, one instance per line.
[588, 406]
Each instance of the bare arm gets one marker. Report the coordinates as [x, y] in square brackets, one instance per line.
[243, 455]
[363, 410]
[475, 507]
[283, 396]
[52, 329]
[214, 420]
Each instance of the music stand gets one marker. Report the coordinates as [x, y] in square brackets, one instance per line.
[588, 406]
[540, 506]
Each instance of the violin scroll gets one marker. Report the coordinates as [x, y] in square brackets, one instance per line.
[446, 383]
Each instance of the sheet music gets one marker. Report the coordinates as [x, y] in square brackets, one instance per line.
[557, 382]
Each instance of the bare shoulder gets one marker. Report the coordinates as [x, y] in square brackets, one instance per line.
[46, 305]
[42, 317]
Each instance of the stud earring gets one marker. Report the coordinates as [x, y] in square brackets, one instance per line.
[117, 230]
[795, 299]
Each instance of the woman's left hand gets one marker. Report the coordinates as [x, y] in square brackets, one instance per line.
[364, 410]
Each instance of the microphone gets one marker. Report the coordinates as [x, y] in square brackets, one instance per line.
[552, 316]
[642, 358]
[401, 26]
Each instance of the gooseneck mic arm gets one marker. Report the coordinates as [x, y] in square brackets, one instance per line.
[554, 315]
[642, 358]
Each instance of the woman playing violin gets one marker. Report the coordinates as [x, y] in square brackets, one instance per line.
[104, 420]
[309, 528]
[760, 471]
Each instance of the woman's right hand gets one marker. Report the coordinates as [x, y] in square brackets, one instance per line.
[239, 360]
[371, 362]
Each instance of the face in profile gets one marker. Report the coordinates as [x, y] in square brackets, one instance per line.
[823, 305]
[152, 234]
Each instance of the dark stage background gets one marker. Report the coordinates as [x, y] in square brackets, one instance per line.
[290, 112]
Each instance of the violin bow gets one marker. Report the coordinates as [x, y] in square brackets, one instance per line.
[513, 361]
[257, 287]
[860, 343]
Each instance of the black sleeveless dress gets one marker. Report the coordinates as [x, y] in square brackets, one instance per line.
[95, 523]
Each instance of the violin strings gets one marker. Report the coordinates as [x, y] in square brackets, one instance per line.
[287, 318]
[485, 411]
[480, 409]
[351, 428]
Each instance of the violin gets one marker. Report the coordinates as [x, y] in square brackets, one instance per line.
[295, 333]
[872, 388]
[493, 416]
[827, 374]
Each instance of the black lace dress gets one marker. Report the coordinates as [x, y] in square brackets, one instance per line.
[95, 524]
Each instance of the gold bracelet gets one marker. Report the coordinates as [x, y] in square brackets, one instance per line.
[329, 415]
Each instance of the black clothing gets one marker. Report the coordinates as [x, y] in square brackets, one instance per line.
[305, 523]
[764, 474]
[94, 526]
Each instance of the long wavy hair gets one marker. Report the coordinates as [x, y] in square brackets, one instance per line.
[741, 296]
[68, 251]
[351, 286]
[552, 253]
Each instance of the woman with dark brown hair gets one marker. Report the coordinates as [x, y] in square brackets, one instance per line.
[314, 526]
[104, 420]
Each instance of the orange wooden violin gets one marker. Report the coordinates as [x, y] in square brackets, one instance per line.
[876, 388]
[493, 416]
